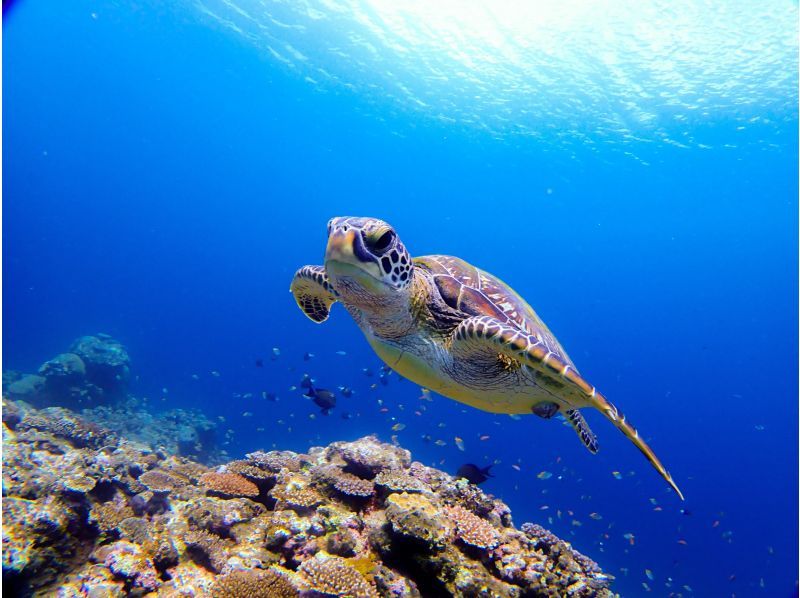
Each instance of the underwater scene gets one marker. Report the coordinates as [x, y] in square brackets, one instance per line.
[369, 298]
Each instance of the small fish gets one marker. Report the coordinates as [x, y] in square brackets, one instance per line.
[649, 574]
[517, 467]
[383, 410]
[474, 474]
[368, 372]
[195, 377]
[307, 356]
[426, 395]
[484, 437]
[460, 444]
[345, 391]
[544, 475]
[514, 416]
[715, 524]
[441, 425]
[576, 523]
[686, 512]
[324, 399]
[759, 427]
[630, 538]
[306, 381]
[646, 587]
[275, 353]
[346, 415]
[247, 414]
[247, 395]
[440, 443]
[617, 475]
[259, 363]
[269, 396]
[342, 353]
[596, 516]
[682, 542]
[398, 427]
[215, 373]
[544, 507]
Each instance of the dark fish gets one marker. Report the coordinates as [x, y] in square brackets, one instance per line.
[324, 399]
[384, 379]
[307, 356]
[367, 372]
[259, 363]
[474, 474]
[686, 512]
[271, 396]
[346, 391]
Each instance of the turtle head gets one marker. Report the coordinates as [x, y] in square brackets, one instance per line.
[366, 262]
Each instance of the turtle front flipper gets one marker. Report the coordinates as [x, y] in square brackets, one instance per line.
[487, 335]
[583, 430]
[313, 293]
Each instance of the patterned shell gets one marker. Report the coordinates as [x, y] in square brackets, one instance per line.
[479, 293]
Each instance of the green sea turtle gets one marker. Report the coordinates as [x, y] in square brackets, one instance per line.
[452, 328]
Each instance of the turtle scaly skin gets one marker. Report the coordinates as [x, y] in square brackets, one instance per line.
[452, 328]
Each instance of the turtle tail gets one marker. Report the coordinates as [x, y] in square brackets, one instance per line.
[616, 417]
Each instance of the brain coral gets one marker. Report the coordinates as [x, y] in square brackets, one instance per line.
[228, 484]
[471, 529]
[332, 576]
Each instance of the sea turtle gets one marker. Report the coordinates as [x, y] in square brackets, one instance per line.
[455, 329]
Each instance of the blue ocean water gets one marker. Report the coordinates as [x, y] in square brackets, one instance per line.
[631, 171]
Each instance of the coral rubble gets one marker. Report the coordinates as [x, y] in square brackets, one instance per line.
[89, 512]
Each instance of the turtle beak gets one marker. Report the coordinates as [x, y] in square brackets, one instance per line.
[340, 246]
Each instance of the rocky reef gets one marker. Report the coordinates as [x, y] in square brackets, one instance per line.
[88, 512]
[93, 371]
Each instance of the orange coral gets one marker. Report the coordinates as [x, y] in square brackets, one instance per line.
[471, 529]
[229, 484]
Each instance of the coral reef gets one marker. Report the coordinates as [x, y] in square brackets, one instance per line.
[95, 370]
[89, 512]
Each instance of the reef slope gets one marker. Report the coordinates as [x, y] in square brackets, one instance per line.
[87, 512]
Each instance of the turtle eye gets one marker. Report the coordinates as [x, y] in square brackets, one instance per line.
[382, 243]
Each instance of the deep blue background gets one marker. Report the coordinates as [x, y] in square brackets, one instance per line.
[162, 182]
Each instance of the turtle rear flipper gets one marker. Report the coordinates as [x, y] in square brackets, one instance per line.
[583, 430]
[313, 293]
[488, 335]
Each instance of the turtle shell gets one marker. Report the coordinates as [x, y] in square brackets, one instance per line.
[474, 292]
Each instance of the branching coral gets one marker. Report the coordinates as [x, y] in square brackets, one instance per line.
[332, 576]
[471, 529]
[275, 461]
[400, 482]
[348, 484]
[254, 583]
[160, 481]
[229, 484]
